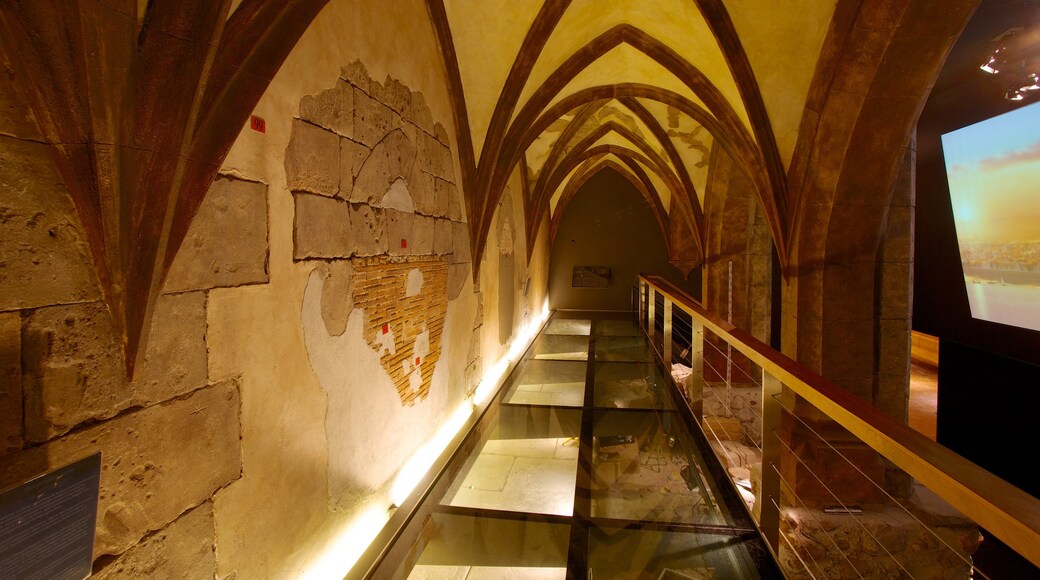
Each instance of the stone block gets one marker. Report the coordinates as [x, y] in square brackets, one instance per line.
[848, 350]
[77, 345]
[10, 382]
[351, 157]
[399, 233]
[369, 225]
[392, 93]
[45, 256]
[226, 244]
[442, 237]
[422, 234]
[455, 206]
[157, 462]
[419, 113]
[894, 347]
[322, 228]
[372, 119]
[854, 230]
[183, 549]
[389, 163]
[848, 290]
[457, 274]
[331, 109]
[893, 396]
[434, 157]
[460, 243]
[423, 189]
[356, 74]
[896, 289]
[899, 236]
[443, 192]
[409, 128]
[312, 160]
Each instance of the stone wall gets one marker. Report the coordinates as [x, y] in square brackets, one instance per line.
[271, 411]
[169, 438]
[925, 540]
[376, 202]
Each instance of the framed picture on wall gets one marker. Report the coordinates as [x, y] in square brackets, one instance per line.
[591, 277]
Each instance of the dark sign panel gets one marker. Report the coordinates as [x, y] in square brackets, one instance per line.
[47, 524]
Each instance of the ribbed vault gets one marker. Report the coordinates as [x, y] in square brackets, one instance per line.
[561, 90]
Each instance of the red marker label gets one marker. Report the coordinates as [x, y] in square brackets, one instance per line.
[416, 361]
[386, 328]
[257, 124]
[404, 243]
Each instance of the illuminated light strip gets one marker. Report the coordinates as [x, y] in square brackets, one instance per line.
[416, 467]
[419, 464]
[337, 559]
[489, 383]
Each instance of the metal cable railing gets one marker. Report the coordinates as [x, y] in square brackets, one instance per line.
[827, 475]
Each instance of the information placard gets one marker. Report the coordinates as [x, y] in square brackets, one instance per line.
[47, 524]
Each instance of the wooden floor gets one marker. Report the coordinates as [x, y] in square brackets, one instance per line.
[924, 391]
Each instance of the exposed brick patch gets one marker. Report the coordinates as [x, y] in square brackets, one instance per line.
[380, 291]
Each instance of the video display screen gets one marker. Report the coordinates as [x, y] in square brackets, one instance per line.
[993, 168]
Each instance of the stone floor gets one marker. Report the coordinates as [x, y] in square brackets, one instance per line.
[522, 475]
[428, 572]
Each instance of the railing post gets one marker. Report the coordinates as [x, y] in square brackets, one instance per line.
[769, 500]
[696, 389]
[651, 305]
[666, 339]
[643, 286]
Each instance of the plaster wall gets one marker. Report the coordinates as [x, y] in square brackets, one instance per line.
[264, 421]
[325, 430]
[609, 224]
[529, 280]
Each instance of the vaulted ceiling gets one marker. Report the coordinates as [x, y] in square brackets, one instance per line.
[557, 90]
[652, 89]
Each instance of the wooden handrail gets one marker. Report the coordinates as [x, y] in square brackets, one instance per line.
[1004, 510]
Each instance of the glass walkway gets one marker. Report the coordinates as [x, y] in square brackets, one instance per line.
[587, 465]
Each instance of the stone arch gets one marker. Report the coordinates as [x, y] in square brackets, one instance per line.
[851, 228]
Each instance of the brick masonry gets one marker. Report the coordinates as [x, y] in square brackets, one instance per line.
[396, 332]
[395, 212]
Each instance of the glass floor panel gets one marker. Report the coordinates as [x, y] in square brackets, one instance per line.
[625, 553]
[526, 461]
[549, 382]
[522, 475]
[622, 349]
[560, 347]
[617, 328]
[646, 467]
[630, 385]
[581, 469]
[574, 326]
[471, 547]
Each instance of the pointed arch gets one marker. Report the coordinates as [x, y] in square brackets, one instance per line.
[637, 177]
